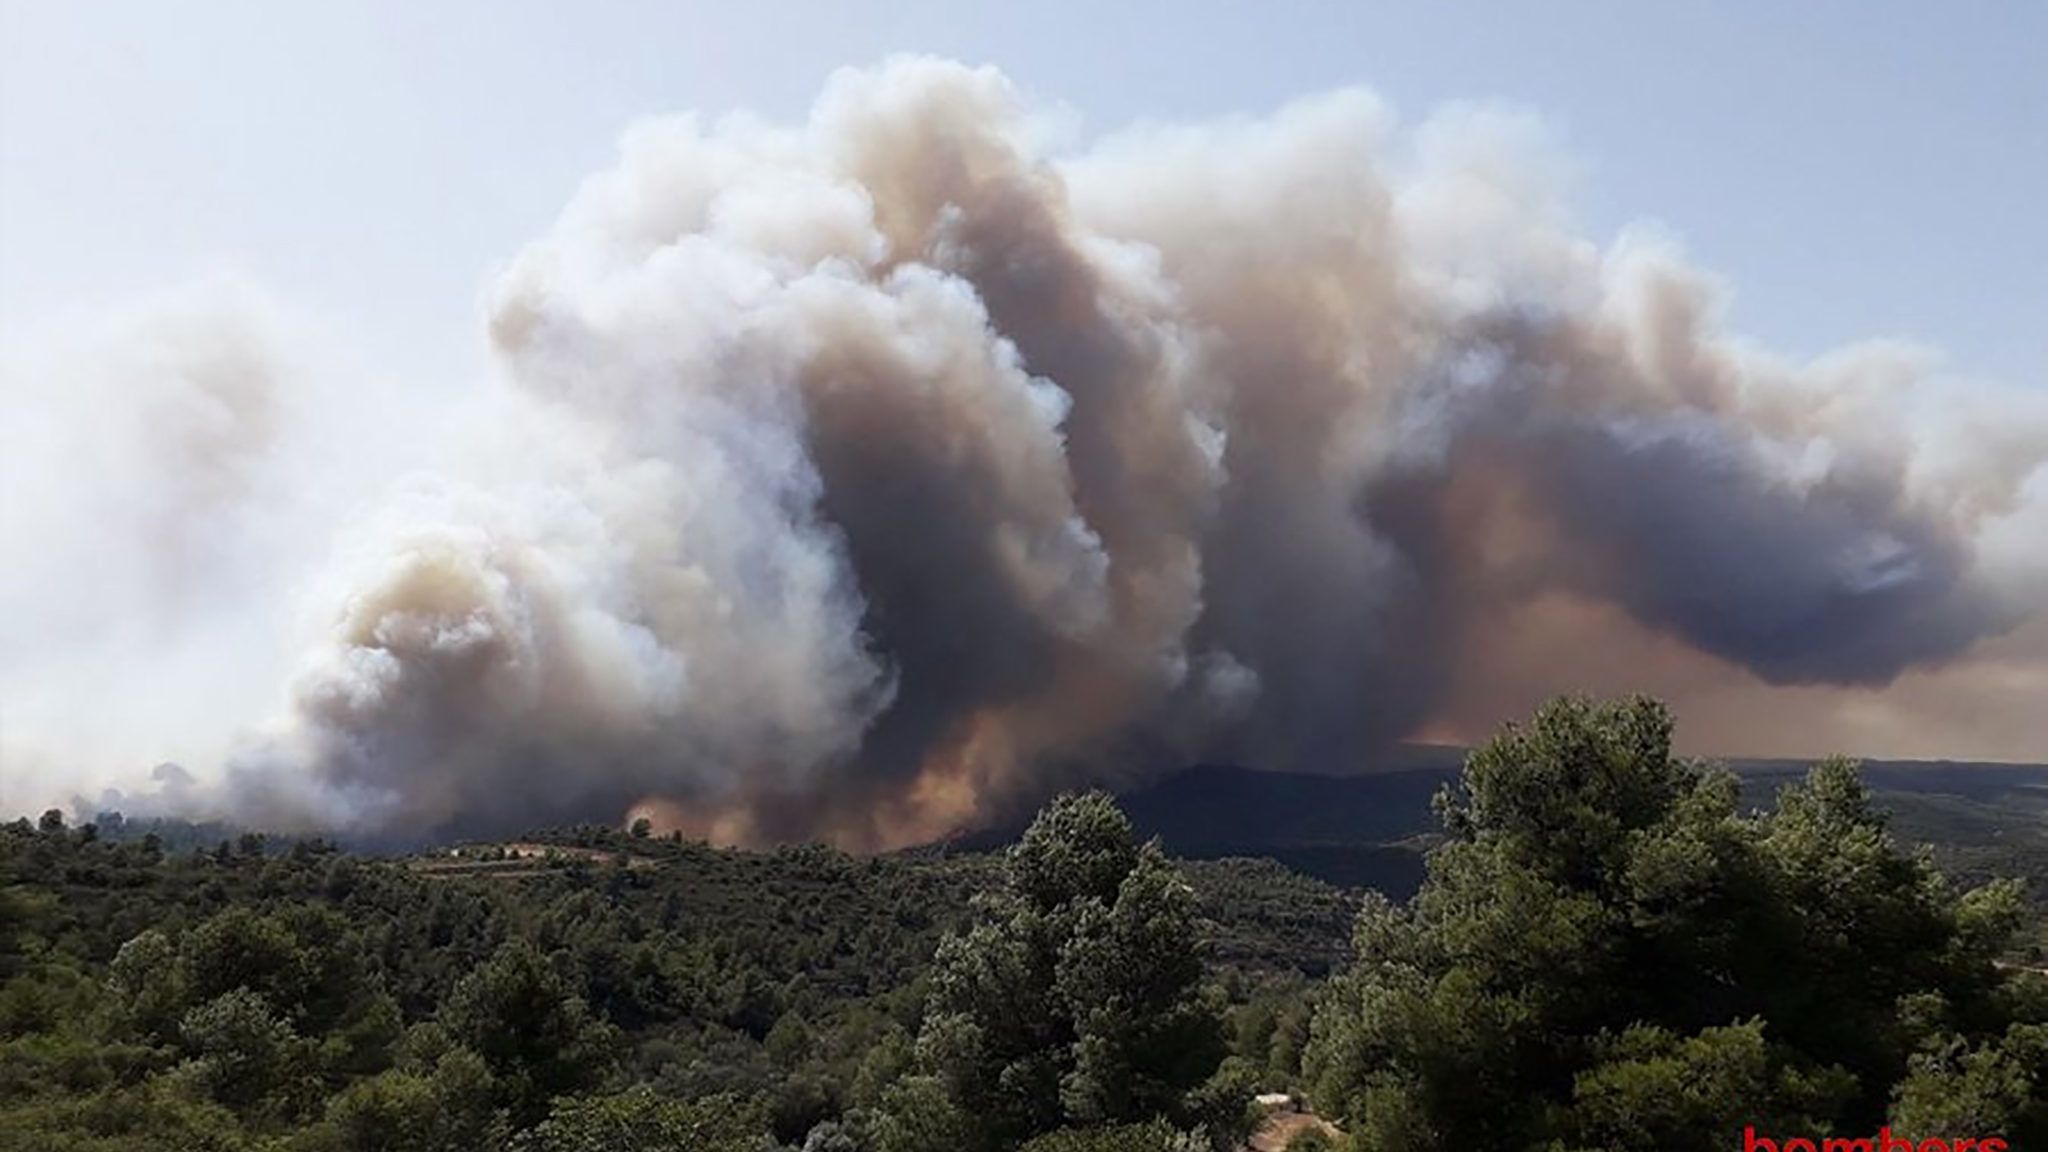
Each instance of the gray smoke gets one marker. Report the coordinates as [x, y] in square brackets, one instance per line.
[867, 477]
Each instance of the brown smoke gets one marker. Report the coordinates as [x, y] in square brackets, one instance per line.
[867, 477]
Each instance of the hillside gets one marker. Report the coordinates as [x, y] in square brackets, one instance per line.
[784, 977]
[267, 996]
[1371, 830]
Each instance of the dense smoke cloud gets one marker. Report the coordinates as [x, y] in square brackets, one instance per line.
[865, 477]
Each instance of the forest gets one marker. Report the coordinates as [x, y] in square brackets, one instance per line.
[1610, 947]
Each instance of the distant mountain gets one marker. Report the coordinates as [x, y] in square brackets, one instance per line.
[1371, 830]
[1213, 807]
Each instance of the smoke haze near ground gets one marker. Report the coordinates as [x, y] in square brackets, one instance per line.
[867, 477]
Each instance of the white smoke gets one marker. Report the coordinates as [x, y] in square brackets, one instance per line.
[859, 477]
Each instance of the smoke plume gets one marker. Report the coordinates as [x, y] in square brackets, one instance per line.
[867, 477]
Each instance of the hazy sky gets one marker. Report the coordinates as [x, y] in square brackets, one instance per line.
[1854, 169]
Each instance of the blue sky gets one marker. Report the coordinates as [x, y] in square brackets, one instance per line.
[1853, 169]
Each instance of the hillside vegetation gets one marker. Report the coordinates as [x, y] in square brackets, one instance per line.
[1372, 830]
[1610, 948]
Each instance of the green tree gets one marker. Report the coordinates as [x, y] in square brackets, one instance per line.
[1606, 945]
[148, 985]
[242, 1050]
[1995, 1088]
[1652, 1089]
[917, 1115]
[535, 1036]
[1156, 1136]
[641, 1121]
[244, 949]
[1077, 998]
[444, 1107]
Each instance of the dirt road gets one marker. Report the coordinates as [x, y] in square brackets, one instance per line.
[1281, 1127]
